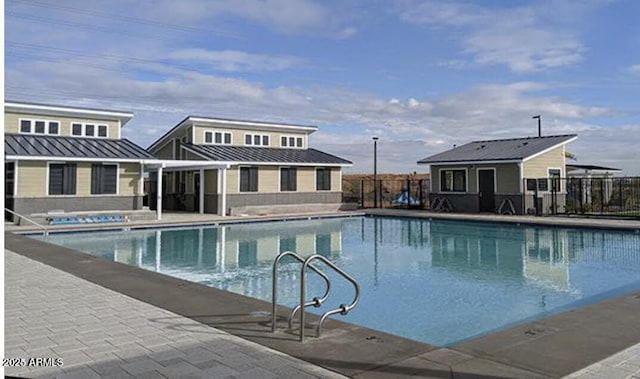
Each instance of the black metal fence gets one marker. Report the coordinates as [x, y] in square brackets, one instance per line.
[616, 197]
[409, 194]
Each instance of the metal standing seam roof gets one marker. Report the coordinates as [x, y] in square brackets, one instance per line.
[231, 153]
[514, 149]
[23, 145]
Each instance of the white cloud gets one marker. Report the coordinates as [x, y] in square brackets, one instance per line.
[282, 16]
[634, 70]
[234, 60]
[525, 38]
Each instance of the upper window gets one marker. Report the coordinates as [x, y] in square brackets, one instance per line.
[453, 180]
[39, 127]
[288, 141]
[323, 179]
[89, 130]
[288, 179]
[248, 179]
[104, 179]
[62, 178]
[256, 140]
[218, 138]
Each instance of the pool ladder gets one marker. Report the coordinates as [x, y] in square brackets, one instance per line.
[316, 302]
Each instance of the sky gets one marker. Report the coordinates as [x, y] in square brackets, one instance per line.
[420, 75]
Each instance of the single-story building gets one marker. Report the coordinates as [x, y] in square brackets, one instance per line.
[69, 159]
[263, 167]
[498, 175]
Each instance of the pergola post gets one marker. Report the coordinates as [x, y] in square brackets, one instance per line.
[201, 194]
[159, 195]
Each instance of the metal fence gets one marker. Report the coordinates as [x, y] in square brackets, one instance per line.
[616, 197]
[409, 194]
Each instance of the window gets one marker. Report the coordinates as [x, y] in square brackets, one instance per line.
[62, 179]
[287, 141]
[89, 130]
[102, 130]
[288, 179]
[39, 127]
[453, 180]
[256, 140]
[248, 179]
[25, 126]
[104, 179]
[217, 138]
[323, 179]
[76, 129]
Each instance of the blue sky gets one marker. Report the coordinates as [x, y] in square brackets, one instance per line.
[421, 75]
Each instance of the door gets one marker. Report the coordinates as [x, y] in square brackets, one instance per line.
[9, 181]
[486, 189]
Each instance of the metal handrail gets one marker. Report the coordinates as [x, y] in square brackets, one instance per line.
[343, 309]
[44, 228]
[316, 302]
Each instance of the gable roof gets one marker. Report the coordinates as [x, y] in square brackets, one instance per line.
[29, 146]
[508, 150]
[268, 155]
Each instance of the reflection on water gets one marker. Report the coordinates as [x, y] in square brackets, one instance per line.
[434, 281]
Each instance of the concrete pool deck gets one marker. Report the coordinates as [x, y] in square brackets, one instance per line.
[554, 347]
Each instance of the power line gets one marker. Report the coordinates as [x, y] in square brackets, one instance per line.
[125, 18]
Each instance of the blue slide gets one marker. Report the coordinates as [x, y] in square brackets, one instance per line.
[405, 199]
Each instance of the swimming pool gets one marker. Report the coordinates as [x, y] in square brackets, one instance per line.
[434, 281]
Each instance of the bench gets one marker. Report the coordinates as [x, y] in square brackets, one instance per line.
[71, 220]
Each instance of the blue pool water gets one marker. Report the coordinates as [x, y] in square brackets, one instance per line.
[438, 282]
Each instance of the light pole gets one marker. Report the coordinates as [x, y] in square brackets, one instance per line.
[375, 172]
[539, 125]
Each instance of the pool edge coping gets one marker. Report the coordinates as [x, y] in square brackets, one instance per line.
[500, 353]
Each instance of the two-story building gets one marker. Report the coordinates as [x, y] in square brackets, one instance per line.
[264, 167]
[69, 159]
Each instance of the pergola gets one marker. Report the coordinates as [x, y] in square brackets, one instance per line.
[190, 165]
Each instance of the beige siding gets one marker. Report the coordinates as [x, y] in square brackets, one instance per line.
[83, 179]
[32, 179]
[165, 152]
[210, 181]
[129, 179]
[233, 177]
[268, 179]
[12, 123]
[238, 135]
[539, 166]
[306, 179]
[336, 179]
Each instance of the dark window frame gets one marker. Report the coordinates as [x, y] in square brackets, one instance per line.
[450, 180]
[323, 179]
[62, 179]
[249, 179]
[104, 179]
[288, 179]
